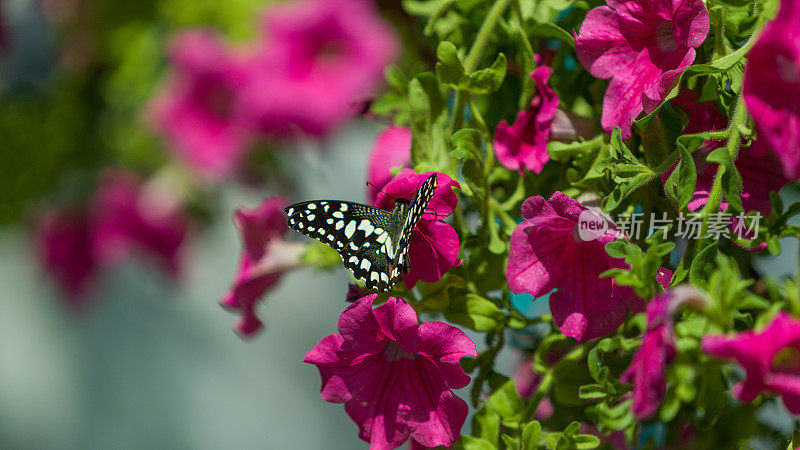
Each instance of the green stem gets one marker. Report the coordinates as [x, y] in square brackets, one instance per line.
[479, 119]
[527, 85]
[734, 140]
[440, 10]
[474, 55]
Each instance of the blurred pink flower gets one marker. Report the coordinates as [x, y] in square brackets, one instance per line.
[395, 375]
[523, 145]
[771, 360]
[130, 217]
[66, 251]
[392, 149]
[198, 109]
[265, 256]
[771, 87]
[549, 251]
[319, 58]
[122, 217]
[527, 381]
[646, 371]
[433, 248]
[759, 169]
[643, 47]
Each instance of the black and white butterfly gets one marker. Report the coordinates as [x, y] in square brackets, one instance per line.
[372, 242]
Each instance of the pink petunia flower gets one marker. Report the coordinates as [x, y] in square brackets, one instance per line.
[129, 217]
[771, 86]
[124, 216]
[759, 169]
[65, 249]
[552, 249]
[548, 253]
[395, 375]
[523, 145]
[319, 59]
[265, 256]
[198, 108]
[646, 371]
[433, 248]
[392, 149]
[771, 360]
[643, 46]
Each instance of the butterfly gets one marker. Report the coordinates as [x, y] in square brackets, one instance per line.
[372, 242]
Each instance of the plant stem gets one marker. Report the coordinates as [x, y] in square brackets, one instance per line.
[474, 55]
[527, 85]
[734, 140]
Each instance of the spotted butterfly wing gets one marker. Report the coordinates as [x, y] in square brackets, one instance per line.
[372, 242]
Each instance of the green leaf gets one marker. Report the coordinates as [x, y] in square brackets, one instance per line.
[486, 81]
[449, 68]
[703, 264]
[591, 392]
[467, 442]
[722, 64]
[510, 442]
[530, 435]
[569, 376]
[486, 424]
[616, 249]
[428, 119]
[586, 441]
[795, 442]
[475, 312]
[507, 402]
[550, 30]
[731, 180]
[681, 183]
[659, 134]
[467, 144]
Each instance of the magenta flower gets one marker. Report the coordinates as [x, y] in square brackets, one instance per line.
[263, 260]
[129, 217]
[319, 59]
[527, 381]
[523, 145]
[121, 218]
[759, 169]
[65, 249]
[643, 46]
[548, 251]
[395, 375]
[433, 248]
[646, 371]
[771, 360]
[771, 86]
[197, 111]
[392, 149]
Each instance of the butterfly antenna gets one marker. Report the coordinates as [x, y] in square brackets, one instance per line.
[380, 190]
[436, 214]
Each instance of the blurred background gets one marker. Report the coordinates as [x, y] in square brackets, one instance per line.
[111, 334]
[130, 131]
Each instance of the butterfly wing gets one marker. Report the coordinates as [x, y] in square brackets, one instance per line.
[415, 211]
[358, 232]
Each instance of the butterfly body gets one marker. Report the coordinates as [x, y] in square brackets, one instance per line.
[372, 242]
